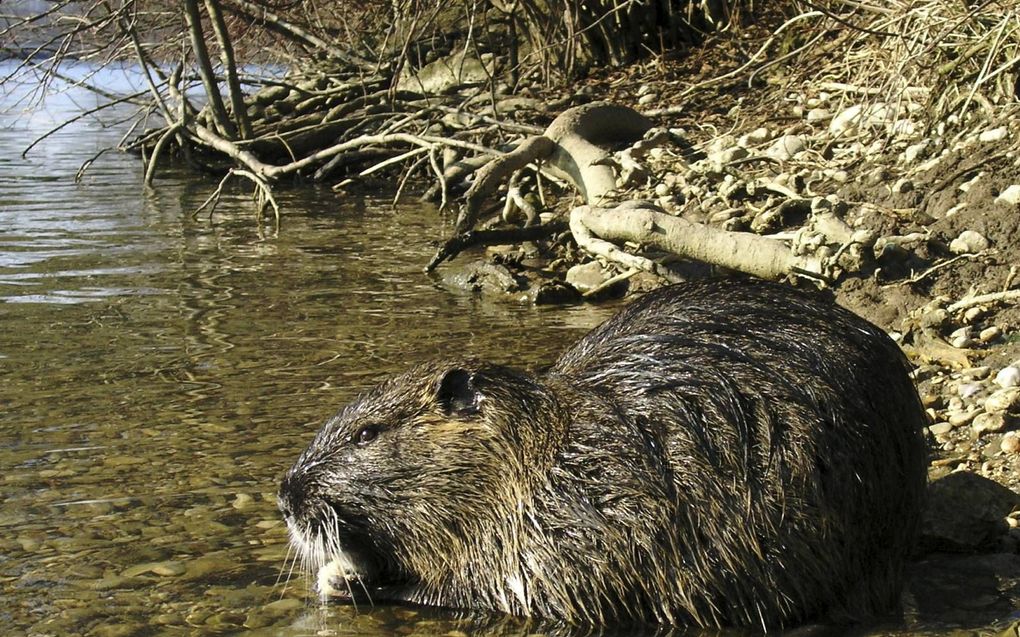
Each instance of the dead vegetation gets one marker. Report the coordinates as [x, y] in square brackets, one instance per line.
[467, 104]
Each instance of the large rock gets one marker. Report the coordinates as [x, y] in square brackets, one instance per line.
[966, 513]
[447, 74]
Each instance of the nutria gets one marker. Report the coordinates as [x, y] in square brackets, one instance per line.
[728, 452]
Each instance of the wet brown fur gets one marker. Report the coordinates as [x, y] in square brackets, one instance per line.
[729, 452]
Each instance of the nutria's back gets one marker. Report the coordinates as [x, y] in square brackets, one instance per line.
[725, 452]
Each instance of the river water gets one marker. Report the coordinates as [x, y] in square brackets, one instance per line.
[160, 371]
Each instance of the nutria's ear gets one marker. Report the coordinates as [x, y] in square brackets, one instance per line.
[457, 394]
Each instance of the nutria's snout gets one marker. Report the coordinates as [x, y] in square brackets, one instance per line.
[728, 452]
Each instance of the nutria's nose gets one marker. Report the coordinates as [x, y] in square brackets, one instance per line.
[292, 494]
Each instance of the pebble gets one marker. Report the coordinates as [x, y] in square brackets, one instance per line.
[117, 630]
[993, 135]
[164, 569]
[647, 99]
[940, 428]
[973, 314]
[1010, 195]
[1010, 444]
[915, 152]
[902, 186]
[818, 115]
[786, 147]
[661, 190]
[731, 154]
[242, 501]
[988, 422]
[969, 241]
[846, 121]
[963, 341]
[976, 373]
[1008, 377]
[757, 136]
[989, 334]
[958, 418]
[1003, 400]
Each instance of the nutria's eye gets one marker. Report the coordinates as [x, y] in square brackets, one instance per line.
[365, 435]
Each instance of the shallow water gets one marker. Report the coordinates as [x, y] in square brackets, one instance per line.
[159, 372]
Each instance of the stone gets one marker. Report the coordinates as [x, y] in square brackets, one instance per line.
[1007, 399]
[989, 334]
[969, 241]
[585, 277]
[846, 121]
[1010, 195]
[1008, 377]
[960, 418]
[988, 422]
[1010, 443]
[818, 115]
[446, 74]
[940, 428]
[993, 134]
[915, 152]
[755, 137]
[786, 147]
[903, 186]
[965, 512]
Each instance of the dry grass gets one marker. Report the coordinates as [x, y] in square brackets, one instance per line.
[951, 61]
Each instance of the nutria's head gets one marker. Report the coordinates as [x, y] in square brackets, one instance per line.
[417, 478]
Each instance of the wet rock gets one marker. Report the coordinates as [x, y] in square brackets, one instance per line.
[786, 147]
[242, 501]
[969, 241]
[966, 512]
[1008, 377]
[117, 630]
[554, 292]
[163, 569]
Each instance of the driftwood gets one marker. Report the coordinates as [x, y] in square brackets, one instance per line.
[579, 145]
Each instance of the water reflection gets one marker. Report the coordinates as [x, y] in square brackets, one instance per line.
[159, 372]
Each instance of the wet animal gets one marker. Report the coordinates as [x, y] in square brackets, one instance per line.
[727, 452]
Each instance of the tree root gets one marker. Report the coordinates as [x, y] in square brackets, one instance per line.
[642, 223]
[463, 241]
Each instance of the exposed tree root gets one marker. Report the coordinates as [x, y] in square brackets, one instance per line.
[463, 241]
[641, 223]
